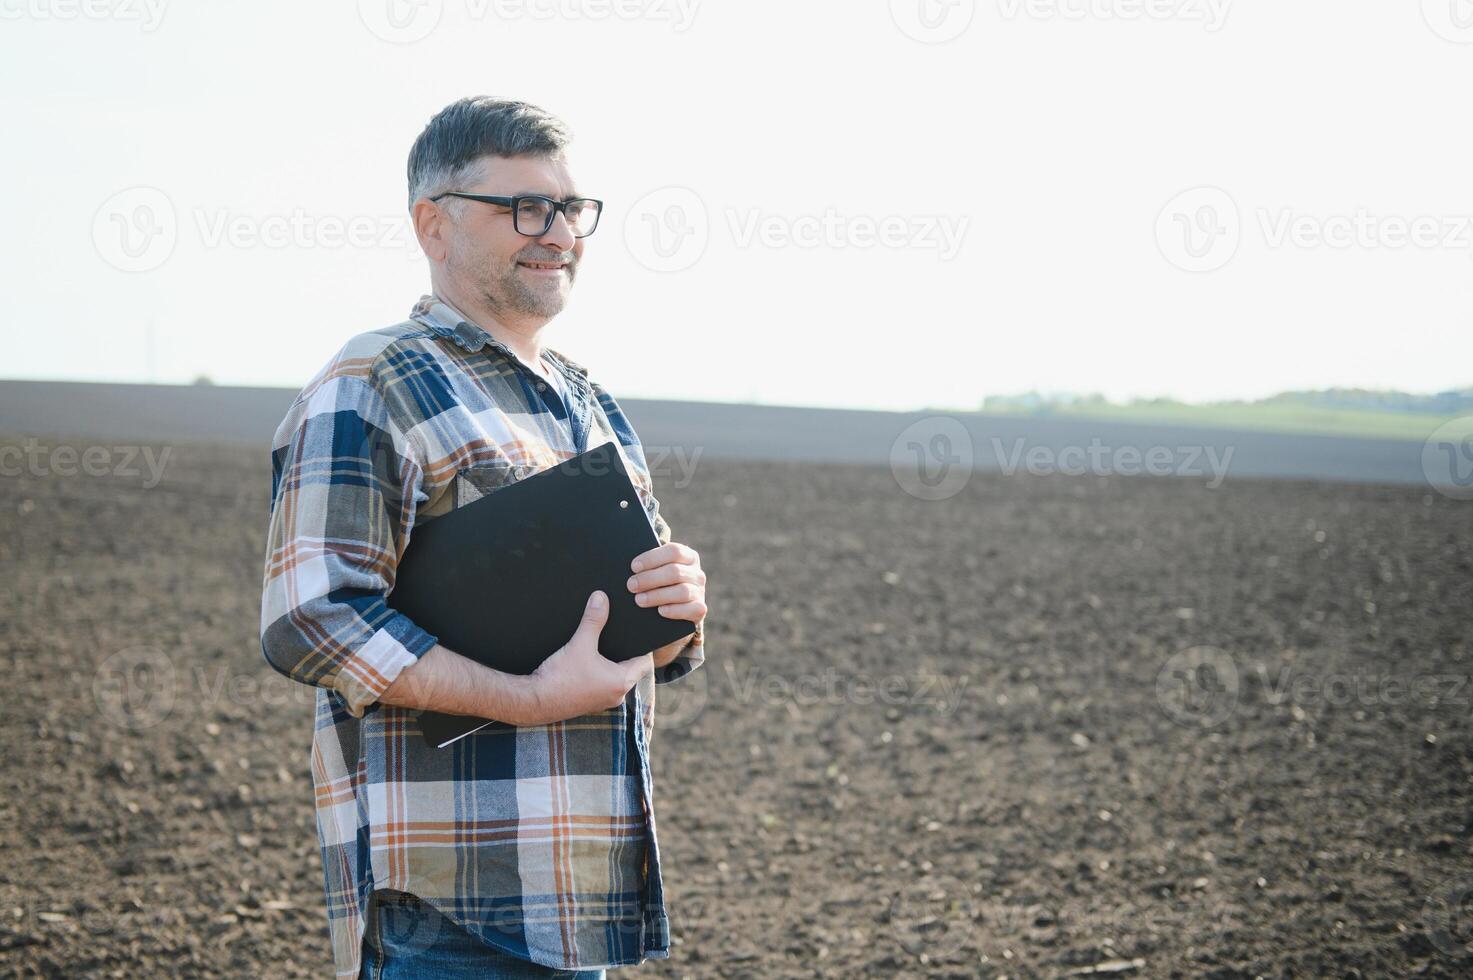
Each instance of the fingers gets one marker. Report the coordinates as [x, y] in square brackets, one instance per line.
[677, 587]
[684, 592]
[689, 611]
[595, 614]
[671, 574]
[673, 551]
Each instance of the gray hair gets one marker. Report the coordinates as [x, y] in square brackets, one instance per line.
[450, 153]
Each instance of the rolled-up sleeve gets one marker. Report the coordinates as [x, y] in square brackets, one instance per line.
[345, 486]
[694, 652]
[685, 661]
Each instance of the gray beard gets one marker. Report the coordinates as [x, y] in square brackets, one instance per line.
[513, 294]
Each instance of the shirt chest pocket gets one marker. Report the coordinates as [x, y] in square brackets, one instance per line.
[474, 482]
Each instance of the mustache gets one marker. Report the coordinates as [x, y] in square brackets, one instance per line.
[566, 258]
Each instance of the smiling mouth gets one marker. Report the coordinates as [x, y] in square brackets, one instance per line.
[544, 266]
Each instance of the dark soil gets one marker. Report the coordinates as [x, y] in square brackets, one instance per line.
[974, 737]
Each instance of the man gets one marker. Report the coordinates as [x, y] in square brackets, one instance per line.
[529, 849]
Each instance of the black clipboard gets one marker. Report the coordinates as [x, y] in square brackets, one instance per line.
[503, 580]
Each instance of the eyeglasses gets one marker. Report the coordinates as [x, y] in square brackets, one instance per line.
[532, 213]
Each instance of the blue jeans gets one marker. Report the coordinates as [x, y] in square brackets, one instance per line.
[408, 939]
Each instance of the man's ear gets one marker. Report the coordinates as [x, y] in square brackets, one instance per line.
[431, 227]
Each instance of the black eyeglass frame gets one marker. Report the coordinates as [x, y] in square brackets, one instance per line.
[554, 207]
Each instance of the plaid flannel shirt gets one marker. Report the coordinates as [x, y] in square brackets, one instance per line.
[538, 839]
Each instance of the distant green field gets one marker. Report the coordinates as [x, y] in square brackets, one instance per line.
[1275, 418]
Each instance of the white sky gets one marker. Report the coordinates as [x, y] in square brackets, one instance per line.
[1050, 134]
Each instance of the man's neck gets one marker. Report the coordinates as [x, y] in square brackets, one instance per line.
[520, 336]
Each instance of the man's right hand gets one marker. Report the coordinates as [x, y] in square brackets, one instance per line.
[578, 680]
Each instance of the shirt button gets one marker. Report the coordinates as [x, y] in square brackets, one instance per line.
[541, 386]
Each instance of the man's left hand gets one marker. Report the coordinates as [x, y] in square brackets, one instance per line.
[671, 578]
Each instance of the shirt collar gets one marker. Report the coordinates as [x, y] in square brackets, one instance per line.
[447, 322]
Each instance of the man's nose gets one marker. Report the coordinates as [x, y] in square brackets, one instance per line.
[559, 234]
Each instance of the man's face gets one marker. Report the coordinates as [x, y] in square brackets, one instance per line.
[486, 253]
